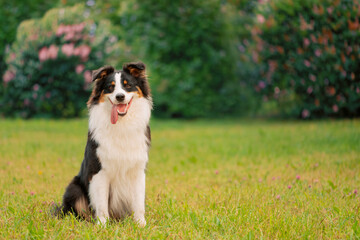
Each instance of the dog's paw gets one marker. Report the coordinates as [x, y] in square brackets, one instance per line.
[101, 221]
[141, 221]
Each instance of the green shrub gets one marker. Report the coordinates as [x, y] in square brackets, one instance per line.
[311, 52]
[190, 48]
[48, 66]
[11, 15]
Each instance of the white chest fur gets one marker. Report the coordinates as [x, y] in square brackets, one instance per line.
[122, 152]
[124, 144]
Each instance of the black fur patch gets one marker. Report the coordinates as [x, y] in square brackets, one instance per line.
[79, 186]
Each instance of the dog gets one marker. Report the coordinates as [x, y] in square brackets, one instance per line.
[111, 180]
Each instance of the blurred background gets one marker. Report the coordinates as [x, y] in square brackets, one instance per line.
[205, 58]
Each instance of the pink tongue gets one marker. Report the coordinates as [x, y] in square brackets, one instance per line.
[114, 112]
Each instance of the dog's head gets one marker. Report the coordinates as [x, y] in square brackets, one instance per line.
[119, 88]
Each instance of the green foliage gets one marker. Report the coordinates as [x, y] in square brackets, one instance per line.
[48, 66]
[311, 53]
[190, 48]
[11, 15]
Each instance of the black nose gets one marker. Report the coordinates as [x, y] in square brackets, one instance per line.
[120, 97]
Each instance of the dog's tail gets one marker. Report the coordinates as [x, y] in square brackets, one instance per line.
[75, 201]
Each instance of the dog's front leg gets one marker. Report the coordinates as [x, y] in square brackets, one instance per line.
[99, 196]
[138, 204]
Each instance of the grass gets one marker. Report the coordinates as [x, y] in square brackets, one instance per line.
[228, 179]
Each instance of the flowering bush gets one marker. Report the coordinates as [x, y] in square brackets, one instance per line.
[311, 52]
[48, 65]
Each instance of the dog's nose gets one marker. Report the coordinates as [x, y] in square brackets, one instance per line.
[120, 97]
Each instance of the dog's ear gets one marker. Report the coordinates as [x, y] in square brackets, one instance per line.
[136, 69]
[102, 72]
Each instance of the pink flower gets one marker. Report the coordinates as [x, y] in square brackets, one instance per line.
[87, 76]
[355, 191]
[312, 77]
[276, 90]
[307, 63]
[8, 76]
[297, 177]
[262, 84]
[32, 193]
[35, 95]
[309, 90]
[36, 87]
[61, 30]
[79, 27]
[43, 54]
[26, 102]
[217, 172]
[260, 18]
[277, 196]
[306, 42]
[289, 186]
[330, 10]
[318, 52]
[69, 36]
[48, 94]
[83, 51]
[79, 68]
[53, 51]
[335, 108]
[68, 49]
[357, 90]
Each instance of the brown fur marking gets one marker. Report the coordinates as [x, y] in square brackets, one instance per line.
[139, 92]
[82, 208]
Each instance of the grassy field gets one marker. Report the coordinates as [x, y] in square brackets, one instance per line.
[230, 179]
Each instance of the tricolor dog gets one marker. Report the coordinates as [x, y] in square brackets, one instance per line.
[111, 180]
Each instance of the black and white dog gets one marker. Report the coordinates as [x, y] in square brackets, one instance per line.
[111, 181]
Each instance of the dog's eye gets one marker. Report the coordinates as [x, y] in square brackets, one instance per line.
[111, 87]
[126, 84]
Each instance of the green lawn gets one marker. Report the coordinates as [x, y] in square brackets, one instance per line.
[226, 179]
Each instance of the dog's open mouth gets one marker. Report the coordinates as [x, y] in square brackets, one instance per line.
[119, 110]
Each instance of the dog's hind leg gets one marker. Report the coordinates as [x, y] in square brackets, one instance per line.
[75, 200]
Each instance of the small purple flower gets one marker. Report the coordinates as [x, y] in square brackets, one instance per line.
[28, 167]
[297, 177]
[277, 196]
[35, 95]
[217, 172]
[40, 211]
[12, 193]
[309, 186]
[48, 94]
[355, 191]
[32, 193]
[289, 186]
[307, 63]
[260, 180]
